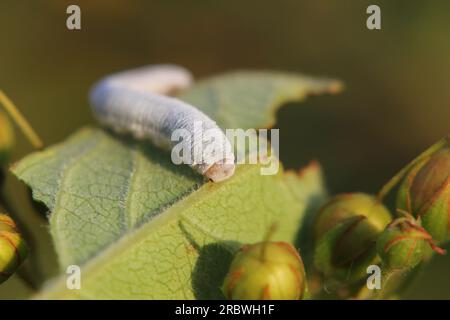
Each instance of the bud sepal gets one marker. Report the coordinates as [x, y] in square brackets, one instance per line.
[404, 244]
[13, 250]
[425, 194]
[346, 230]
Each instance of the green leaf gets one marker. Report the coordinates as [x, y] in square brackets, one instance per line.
[141, 227]
[250, 99]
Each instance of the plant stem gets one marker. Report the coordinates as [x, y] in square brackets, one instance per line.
[25, 277]
[385, 280]
[371, 294]
[20, 120]
[266, 240]
[396, 179]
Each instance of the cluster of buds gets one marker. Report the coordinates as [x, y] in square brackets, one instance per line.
[353, 231]
[404, 244]
[345, 231]
[13, 250]
[425, 193]
[6, 139]
[266, 271]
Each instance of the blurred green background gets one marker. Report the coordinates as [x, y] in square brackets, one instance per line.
[396, 102]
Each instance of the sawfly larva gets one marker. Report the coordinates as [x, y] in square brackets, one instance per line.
[135, 102]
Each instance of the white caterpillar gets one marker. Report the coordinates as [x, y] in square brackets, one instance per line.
[134, 102]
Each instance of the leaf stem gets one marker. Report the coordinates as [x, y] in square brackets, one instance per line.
[27, 279]
[385, 278]
[396, 179]
[267, 237]
[20, 120]
[371, 294]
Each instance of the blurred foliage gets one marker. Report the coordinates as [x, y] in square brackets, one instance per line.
[396, 103]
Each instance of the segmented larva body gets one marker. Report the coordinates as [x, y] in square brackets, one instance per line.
[135, 102]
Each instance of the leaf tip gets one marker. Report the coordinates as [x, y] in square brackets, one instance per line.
[312, 166]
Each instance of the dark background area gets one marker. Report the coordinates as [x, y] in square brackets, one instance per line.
[396, 102]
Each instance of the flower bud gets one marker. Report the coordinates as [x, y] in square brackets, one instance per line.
[425, 194]
[6, 139]
[349, 205]
[12, 248]
[404, 244]
[346, 231]
[266, 271]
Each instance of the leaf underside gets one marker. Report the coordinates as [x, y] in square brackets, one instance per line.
[143, 228]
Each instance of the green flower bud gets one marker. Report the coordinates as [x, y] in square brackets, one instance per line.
[266, 271]
[346, 230]
[425, 194]
[12, 248]
[349, 205]
[404, 244]
[6, 139]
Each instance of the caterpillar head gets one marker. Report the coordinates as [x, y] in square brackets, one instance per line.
[220, 171]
